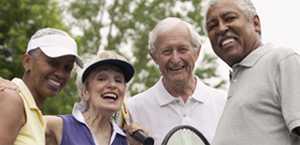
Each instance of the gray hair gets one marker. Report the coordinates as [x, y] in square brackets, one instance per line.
[169, 23]
[81, 86]
[246, 6]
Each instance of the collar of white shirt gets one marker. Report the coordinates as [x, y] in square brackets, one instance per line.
[164, 97]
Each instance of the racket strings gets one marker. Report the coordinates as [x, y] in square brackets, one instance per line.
[184, 135]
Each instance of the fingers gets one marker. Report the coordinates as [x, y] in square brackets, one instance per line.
[6, 84]
[133, 127]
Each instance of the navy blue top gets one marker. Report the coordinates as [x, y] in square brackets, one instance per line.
[77, 133]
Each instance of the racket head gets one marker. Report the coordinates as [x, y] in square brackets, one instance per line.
[184, 135]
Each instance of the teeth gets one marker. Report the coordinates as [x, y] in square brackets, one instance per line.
[110, 95]
[227, 41]
[54, 83]
[176, 68]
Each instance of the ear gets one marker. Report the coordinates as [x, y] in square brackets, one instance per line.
[27, 62]
[257, 26]
[152, 56]
[84, 93]
[198, 51]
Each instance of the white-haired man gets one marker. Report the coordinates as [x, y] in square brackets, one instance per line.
[179, 97]
[48, 62]
[263, 99]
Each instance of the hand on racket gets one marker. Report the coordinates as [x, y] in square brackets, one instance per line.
[134, 130]
[184, 135]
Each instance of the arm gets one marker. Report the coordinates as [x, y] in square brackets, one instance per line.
[53, 130]
[12, 114]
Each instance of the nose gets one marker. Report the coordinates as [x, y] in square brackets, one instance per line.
[222, 27]
[175, 56]
[112, 84]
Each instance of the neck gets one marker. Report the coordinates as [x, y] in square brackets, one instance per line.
[97, 121]
[182, 89]
[100, 125]
[39, 100]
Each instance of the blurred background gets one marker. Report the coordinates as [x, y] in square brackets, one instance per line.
[120, 25]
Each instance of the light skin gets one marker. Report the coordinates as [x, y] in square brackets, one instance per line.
[175, 55]
[232, 33]
[104, 93]
[40, 72]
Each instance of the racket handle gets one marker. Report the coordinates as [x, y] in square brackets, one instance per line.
[140, 136]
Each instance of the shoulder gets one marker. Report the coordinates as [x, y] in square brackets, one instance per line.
[147, 95]
[212, 95]
[210, 91]
[278, 53]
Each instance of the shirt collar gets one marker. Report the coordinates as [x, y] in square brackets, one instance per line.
[24, 90]
[251, 59]
[79, 117]
[202, 92]
[165, 98]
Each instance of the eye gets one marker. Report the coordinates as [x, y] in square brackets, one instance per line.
[167, 51]
[230, 18]
[101, 78]
[119, 80]
[183, 49]
[69, 67]
[211, 25]
[52, 62]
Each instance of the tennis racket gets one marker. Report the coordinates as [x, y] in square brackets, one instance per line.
[139, 135]
[184, 135]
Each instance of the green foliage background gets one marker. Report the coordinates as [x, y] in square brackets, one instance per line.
[120, 25]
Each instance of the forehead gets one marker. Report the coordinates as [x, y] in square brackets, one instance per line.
[179, 34]
[222, 8]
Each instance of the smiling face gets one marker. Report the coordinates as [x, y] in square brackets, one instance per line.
[233, 34]
[175, 54]
[46, 76]
[105, 89]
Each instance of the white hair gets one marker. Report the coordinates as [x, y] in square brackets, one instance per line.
[246, 6]
[169, 23]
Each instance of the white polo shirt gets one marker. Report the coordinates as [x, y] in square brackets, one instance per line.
[158, 111]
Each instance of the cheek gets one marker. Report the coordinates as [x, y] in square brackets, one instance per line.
[122, 91]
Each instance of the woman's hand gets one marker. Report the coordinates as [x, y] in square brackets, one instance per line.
[130, 130]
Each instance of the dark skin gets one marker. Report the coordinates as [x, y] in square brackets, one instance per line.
[44, 77]
[232, 33]
[49, 74]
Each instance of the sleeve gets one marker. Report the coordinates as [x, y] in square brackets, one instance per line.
[289, 90]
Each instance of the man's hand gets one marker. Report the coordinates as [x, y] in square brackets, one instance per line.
[6, 84]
